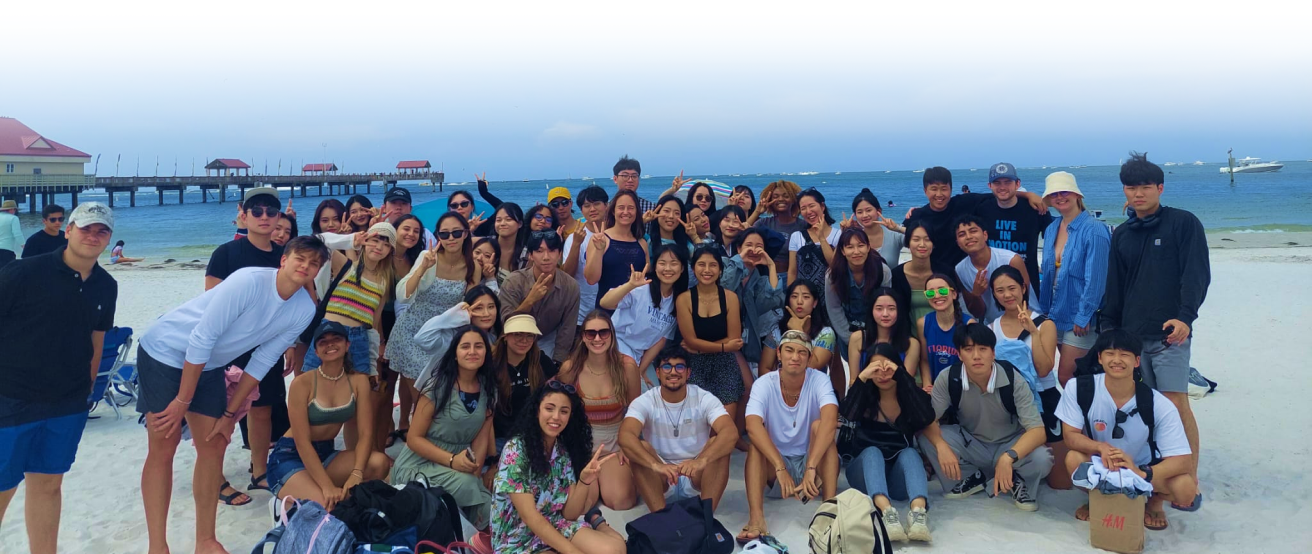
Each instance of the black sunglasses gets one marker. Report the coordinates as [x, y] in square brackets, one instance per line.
[458, 205]
[261, 211]
[1121, 417]
[681, 368]
[456, 234]
[59, 219]
[563, 387]
[559, 202]
[594, 334]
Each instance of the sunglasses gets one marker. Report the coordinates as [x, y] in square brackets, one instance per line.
[458, 205]
[942, 291]
[559, 203]
[456, 234]
[594, 334]
[543, 217]
[681, 368]
[562, 387]
[59, 219]
[1121, 417]
[261, 211]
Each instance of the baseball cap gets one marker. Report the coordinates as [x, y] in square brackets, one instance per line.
[397, 193]
[1002, 170]
[90, 213]
[328, 327]
[252, 193]
[522, 323]
[1060, 181]
[558, 192]
[796, 337]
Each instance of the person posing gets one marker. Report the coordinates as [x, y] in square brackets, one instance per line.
[485, 228]
[304, 464]
[487, 261]
[710, 322]
[792, 419]
[437, 282]
[54, 311]
[284, 229]
[481, 308]
[1157, 279]
[727, 225]
[358, 214]
[909, 278]
[644, 307]
[803, 315]
[457, 403]
[939, 216]
[521, 368]
[116, 254]
[619, 247]
[11, 232]
[1075, 247]
[562, 206]
[1029, 341]
[331, 217]
[545, 292]
[666, 223]
[540, 218]
[254, 309]
[990, 422]
[508, 224]
[462, 202]
[779, 199]
[51, 236]
[678, 456]
[811, 250]
[886, 324]
[356, 302]
[538, 495]
[698, 222]
[628, 174]
[980, 262]
[881, 419]
[409, 246]
[936, 331]
[883, 234]
[758, 289]
[593, 202]
[744, 198]
[608, 383]
[1011, 224]
[396, 203]
[1108, 428]
[849, 284]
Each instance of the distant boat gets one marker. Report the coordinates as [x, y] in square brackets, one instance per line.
[646, 176]
[1170, 164]
[586, 178]
[838, 173]
[887, 171]
[914, 171]
[1199, 162]
[808, 173]
[973, 169]
[1253, 165]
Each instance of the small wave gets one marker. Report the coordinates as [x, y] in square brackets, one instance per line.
[1264, 228]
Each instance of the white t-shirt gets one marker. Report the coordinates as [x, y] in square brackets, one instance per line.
[999, 257]
[790, 428]
[639, 323]
[796, 241]
[587, 293]
[1171, 440]
[693, 418]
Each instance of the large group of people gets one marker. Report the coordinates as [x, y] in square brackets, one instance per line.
[549, 361]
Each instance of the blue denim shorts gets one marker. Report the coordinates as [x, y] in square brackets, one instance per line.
[357, 349]
[285, 461]
[47, 446]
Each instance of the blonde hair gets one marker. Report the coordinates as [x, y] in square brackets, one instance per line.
[784, 186]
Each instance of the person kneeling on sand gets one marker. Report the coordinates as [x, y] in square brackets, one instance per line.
[253, 308]
[676, 454]
[792, 419]
[990, 422]
[304, 463]
[1115, 427]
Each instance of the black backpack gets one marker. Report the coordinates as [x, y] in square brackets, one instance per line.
[375, 511]
[684, 527]
[954, 392]
[1143, 400]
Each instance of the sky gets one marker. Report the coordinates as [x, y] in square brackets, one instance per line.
[527, 90]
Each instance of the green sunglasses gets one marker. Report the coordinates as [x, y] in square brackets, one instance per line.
[942, 291]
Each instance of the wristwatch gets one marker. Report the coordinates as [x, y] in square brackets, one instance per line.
[1014, 456]
[1147, 472]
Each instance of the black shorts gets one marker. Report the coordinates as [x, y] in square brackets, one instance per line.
[1051, 397]
[159, 385]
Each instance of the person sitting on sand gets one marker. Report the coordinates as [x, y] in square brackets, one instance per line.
[987, 430]
[678, 437]
[258, 310]
[1114, 430]
[304, 463]
[116, 255]
[548, 478]
[792, 419]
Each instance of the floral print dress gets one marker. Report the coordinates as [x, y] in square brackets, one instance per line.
[509, 532]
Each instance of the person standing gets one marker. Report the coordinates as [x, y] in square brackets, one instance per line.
[54, 311]
[11, 232]
[1157, 279]
[779, 199]
[51, 236]
[980, 262]
[940, 214]
[545, 292]
[592, 202]
[628, 173]
[1013, 225]
[1074, 275]
[396, 203]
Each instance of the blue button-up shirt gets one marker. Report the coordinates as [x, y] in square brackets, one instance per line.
[1070, 296]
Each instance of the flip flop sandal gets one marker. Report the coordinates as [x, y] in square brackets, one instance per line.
[1198, 503]
[749, 529]
[1085, 508]
[1162, 527]
[255, 482]
[594, 517]
[230, 499]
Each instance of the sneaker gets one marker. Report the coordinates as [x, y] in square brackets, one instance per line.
[972, 484]
[918, 525]
[893, 523]
[1021, 495]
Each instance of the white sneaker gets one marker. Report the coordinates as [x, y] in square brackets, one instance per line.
[1021, 496]
[918, 525]
[893, 523]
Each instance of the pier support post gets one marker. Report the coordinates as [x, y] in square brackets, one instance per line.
[74, 205]
[223, 193]
[181, 189]
[110, 194]
[132, 197]
[204, 196]
[31, 203]
[161, 196]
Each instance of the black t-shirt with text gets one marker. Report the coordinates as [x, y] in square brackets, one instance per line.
[234, 255]
[1016, 229]
[508, 409]
[942, 231]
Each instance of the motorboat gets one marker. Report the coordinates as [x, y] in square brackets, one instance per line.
[1199, 162]
[1253, 165]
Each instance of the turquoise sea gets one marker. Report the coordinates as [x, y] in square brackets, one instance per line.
[1256, 203]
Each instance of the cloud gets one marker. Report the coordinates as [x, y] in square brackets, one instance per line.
[567, 130]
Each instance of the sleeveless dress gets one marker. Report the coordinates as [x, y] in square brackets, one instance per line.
[406, 356]
[716, 372]
[453, 429]
[615, 263]
[942, 353]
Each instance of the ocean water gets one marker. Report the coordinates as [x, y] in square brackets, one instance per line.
[1258, 202]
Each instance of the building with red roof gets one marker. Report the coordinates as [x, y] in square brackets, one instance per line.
[27, 152]
[227, 166]
[319, 169]
[414, 166]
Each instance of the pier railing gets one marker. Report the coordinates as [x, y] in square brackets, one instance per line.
[45, 183]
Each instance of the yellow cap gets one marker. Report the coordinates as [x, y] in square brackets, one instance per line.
[558, 192]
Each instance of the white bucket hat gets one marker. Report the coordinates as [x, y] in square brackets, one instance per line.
[1061, 181]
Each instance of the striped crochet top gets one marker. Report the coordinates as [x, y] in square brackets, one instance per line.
[356, 298]
[606, 410]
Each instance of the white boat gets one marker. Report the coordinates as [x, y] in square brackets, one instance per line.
[808, 173]
[1253, 165]
[1199, 162]
[916, 171]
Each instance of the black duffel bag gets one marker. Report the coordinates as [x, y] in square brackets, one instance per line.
[376, 511]
[684, 527]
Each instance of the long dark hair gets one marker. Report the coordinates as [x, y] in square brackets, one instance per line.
[467, 244]
[443, 380]
[496, 249]
[464, 193]
[479, 291]
[501, 361]
[412, 253]
[692, 191]
[819, 197]
[528, 215]
[872, 270]
[751, 195]
[575, 438]
[680, 233]
[680, 284]
[718, 217]
[900, 335]
[917, 409]
[819, 315]
[333, 203]
[1007, 271]
[636, 228]
[516, 213]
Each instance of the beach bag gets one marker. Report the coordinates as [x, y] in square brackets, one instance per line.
[811, 265]
[376, 512]
[684, 527]
[849, 524]
[307, 335]
[310, 530]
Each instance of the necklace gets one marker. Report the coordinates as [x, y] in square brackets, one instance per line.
[795, 398]
[597, 373]
[333, 379]
[676, 421]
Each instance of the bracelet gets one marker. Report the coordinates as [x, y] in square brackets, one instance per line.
[585, 483]
[179, 401]
[451, 463]
[778, 469]
[226, 413]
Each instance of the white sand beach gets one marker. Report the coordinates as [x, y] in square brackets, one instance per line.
[1247, 339]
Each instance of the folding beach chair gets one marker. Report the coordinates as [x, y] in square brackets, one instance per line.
[116, 382]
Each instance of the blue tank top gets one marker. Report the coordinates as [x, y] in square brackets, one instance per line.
[1019, 353]
[942, 353]
[615, 264]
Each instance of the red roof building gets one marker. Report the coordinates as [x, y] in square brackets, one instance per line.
[227, 166]
[415, 164]
[17, 139]
[321, 168]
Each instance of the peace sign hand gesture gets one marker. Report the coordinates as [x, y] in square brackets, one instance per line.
[849, 222]
[290, 210]
[637, 278]
[889, 224]
[599, 242]
[648, 216]
[481, 178]
[589, 474]
[430, 257]
[679, 181]
[475, 221]
[378, 216]
[1026, 320]
[690, 227]
[541, 287]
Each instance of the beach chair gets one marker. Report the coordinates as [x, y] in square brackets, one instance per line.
[116, 382]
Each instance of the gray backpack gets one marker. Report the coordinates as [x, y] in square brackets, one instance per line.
[309, 530]
[849, 524]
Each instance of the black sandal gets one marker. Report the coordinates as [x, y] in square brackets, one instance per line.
[255, 482]
[231, 499]
[594, 517]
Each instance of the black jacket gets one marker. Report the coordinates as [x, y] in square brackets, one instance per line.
[1158, 269]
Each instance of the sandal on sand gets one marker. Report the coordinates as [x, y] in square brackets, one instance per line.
[753, 532]
[1150, 515]
[1082, 513]
[231, 499]
[594, 517]
[1198, 503]
[255, 482]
